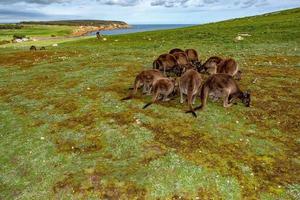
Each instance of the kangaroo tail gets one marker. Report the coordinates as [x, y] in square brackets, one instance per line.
[193, 113]
[146, 105]
[127, 98]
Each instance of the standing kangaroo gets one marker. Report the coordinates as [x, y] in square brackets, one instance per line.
[223, 85]
[190, 84]
[145, 79]
[162, 87]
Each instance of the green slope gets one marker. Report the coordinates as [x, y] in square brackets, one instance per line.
[65, 134]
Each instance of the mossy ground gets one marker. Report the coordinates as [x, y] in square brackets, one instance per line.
[65, 134]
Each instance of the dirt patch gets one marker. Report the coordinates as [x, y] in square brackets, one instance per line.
[87, 145]
[27, 59]
[65, 105]
[90, 182]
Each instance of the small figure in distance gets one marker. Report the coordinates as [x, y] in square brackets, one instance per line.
[32, 48]
[99, 37]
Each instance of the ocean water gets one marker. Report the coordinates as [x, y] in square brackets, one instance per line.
[141, 28]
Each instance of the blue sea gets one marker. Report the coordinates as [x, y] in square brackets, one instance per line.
[142, 28]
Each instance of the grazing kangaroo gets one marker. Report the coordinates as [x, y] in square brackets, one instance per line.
[145, 79]
[223, 85]
[167, 63]
[193, 57]
[172, 51]
[32, 48]
[210, 65]
[162, 87]
[190, 85]
[183, 61]
[218, 65]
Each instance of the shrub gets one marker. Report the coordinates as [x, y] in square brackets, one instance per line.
[4, 42]
[10, 26]
[19, 36]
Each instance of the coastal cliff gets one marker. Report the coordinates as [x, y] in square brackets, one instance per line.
[82, 27]
[83, 30]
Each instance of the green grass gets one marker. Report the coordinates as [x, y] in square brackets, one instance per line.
[65, 134]
[36, 31]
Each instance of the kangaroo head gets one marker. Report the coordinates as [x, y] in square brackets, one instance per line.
[198, 65]
[246, 99]
[178, 70]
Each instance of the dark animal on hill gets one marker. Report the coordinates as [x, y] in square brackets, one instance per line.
[32, 48]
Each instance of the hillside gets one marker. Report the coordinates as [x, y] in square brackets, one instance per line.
[65, 134]
[75, 22]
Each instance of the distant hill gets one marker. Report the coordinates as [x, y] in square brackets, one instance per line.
[75, 22]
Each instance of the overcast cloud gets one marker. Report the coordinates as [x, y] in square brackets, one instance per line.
[139, 11]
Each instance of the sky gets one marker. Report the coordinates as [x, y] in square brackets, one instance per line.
[139, 11]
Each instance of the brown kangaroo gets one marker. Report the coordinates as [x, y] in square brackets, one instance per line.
[193, 57]
[183, 61]
[218, 65]
[167, 63]
[210, 65]
[164, 87]
[223, 85]
[172, 51]
[190, 84]
[145, 79]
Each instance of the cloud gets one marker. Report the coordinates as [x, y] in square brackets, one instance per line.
[119, 2]
[205, 4]
[33, 1]
[209, 3]
[12, 13]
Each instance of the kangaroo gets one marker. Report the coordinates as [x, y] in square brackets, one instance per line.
[210, 65]
[218, 65]
[193, 57]
[164, 87]
[145, 79]
[172, 51]
[190, 84]
[223, 85]
[32, 48]
[43, 48]
[167, 63]
[183, 61]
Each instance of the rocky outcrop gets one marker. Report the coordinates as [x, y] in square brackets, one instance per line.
[83, 30]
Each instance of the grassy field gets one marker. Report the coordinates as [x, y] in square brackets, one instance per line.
[37, 31]
[65, 134]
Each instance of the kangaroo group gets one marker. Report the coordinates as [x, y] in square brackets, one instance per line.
[182, 72]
